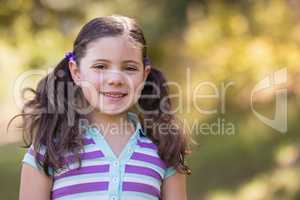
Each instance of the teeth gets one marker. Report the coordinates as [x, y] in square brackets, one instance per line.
[114, 95]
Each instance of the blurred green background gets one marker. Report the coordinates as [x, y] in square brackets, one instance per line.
[216, 42]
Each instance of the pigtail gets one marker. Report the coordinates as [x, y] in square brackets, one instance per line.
[48, 118]
[161, 124]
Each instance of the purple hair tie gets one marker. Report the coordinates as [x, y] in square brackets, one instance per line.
[70, 56]
[147, 61]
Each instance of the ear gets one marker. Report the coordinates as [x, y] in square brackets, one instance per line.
[147, 71]
[75, 72]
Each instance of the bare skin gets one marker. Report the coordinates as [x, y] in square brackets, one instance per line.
[35, 185]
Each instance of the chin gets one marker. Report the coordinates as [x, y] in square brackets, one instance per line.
[113, 110]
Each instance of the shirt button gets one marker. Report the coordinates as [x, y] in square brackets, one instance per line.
[115, 163]
[115, 179]
[130, 150]
[114, 198]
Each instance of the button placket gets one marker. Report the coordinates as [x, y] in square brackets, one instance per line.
[130, 151]
[114, 177]
[114, 198]
[116, 163]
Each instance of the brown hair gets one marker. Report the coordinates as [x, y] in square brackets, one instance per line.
[47, 117]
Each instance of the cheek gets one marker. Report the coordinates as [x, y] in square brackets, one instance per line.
[91, 80]
[137, 87]
[90, 85]
[90, 93]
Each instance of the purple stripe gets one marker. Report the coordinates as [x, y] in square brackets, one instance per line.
[142, 170]
[84, 187]
[84, 170]
[148, 158]
[87, 141]
[139, 187]
[84, 156]
[31, 151]
[147, 145]
[37, 155]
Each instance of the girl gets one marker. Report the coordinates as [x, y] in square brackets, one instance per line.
[100, 127]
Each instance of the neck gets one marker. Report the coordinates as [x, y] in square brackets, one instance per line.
[111, 124]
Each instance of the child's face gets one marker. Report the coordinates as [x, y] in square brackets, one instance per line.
[111, 74]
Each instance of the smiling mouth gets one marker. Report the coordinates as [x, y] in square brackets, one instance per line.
[114, 94]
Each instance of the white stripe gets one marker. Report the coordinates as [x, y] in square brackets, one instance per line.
[84, 163]
[93, 162]
[145, 140]
[127, 195]
[147, 151]
[87, 149]
[93, 196]
[134, 198]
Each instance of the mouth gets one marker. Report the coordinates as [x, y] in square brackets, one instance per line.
[116, 95]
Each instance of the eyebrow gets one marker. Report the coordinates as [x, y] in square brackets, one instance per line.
[125, 61]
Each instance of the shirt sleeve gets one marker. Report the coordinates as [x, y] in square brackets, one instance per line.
[32, 160]
[169, 172]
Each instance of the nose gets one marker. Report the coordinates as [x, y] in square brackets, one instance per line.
[115, 77]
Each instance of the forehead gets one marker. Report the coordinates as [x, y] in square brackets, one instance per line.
[113, 48]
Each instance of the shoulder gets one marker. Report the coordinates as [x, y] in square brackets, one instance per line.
[35, 157]
[150, 150]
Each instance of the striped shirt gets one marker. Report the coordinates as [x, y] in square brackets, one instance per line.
[136, 174]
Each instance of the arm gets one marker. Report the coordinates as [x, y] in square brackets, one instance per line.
[174, 187]
[35, 185]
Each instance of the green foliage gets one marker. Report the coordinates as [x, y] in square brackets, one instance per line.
[220, 42]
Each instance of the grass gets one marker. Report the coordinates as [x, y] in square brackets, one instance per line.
[10, 165]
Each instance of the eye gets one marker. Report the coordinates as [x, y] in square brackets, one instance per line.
[130, 68]
[99, 66]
